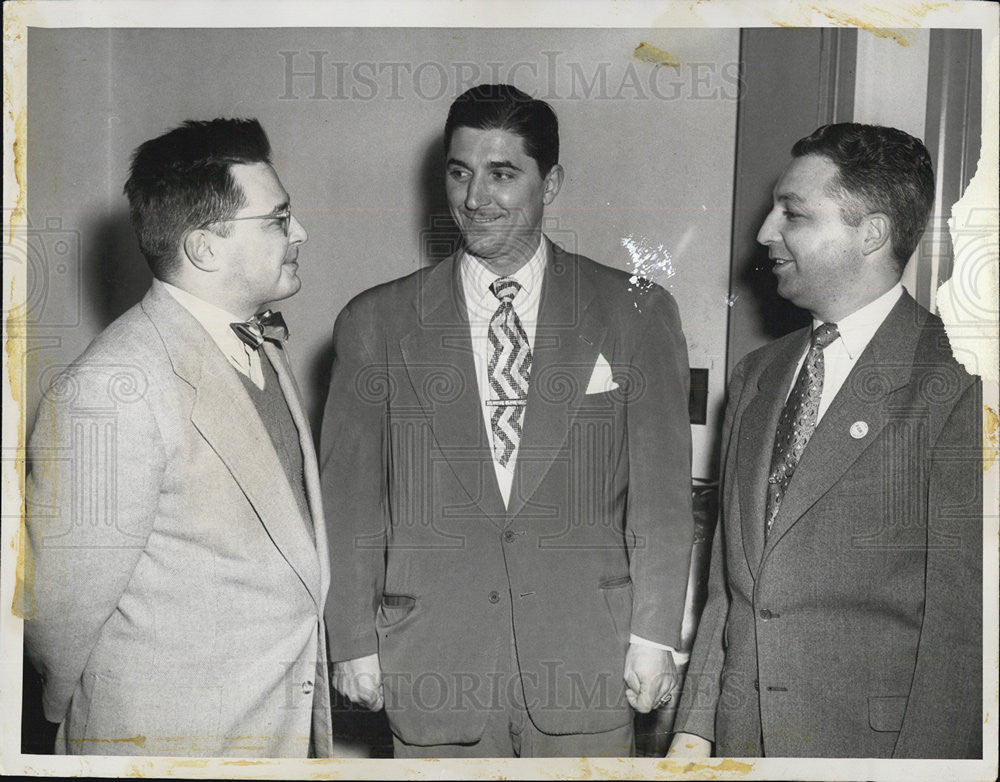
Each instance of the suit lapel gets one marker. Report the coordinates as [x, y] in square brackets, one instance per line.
[758, 424]
[441, 369]
[567, 343]
[884, 367]
[228, 420]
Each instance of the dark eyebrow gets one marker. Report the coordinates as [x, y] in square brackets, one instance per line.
[789, 198]
[284, 206]
[503, 164]
[493, 164]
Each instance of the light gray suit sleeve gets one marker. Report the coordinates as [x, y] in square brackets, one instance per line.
[95, 463]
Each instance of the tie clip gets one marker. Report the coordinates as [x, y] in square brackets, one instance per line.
[519, 402]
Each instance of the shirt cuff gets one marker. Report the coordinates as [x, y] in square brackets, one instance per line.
[679, 657]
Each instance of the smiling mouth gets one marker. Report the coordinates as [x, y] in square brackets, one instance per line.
[780, 261]
[483, 220]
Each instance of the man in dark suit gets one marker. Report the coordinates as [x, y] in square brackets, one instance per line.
[844, 616]
[508, 437]
[177, 563]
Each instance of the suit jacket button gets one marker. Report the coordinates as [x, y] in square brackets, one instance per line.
[509, 536]
[494, 596]
[307, 687]
[765, 614]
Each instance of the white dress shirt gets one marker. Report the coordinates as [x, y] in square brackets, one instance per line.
[481, 305]
[215, 321]
[855, 332]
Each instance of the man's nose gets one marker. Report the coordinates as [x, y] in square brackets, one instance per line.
[296, 233]
[767, 233]
[478, 193]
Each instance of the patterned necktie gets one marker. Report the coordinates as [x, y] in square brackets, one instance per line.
[509, 368]
[264, 325]
[798, 420]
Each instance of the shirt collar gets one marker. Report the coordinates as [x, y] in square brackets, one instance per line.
[857, 329]
[213, 319]
[478, 278]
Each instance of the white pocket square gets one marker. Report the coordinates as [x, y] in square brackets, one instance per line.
[600, 379]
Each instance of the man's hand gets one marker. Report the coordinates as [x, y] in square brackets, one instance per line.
[650, 676]
[360, 680]
[688, 745]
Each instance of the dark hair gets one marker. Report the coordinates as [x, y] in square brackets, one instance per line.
[182, 180]
[880, 169]
[503, 107]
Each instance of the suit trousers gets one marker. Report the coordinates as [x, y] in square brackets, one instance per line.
[510, 733]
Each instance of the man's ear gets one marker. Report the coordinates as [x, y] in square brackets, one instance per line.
[553, 181]
[199, 247]
[877, 233]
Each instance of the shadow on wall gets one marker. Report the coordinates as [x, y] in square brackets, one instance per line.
[115, 275]
[775, 316]
[439, 237]
[79, 280]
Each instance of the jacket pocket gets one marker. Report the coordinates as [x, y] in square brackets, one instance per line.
[394, 609]
[885, 713]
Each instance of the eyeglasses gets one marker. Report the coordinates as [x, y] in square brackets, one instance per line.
[283, 217]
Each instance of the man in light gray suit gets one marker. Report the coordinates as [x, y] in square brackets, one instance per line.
[177, 564]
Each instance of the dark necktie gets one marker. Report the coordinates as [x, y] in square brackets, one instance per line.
[509, 368]
[798, 420]
[264, 325]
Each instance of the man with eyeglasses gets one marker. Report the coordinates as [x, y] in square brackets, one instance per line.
[177, 563]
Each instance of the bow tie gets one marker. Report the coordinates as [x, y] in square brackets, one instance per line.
[265, 325]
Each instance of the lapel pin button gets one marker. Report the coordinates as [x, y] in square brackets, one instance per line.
[859, 429]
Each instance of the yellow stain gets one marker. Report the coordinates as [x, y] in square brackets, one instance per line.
[139, 740]
[991, 436]
[726, 765]
[20, 163]
[140, 769]
[23, 602]
[649, 53]
[847, 20]
[190, 763]
[880, 26]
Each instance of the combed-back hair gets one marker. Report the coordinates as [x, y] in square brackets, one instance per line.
[504, 107]
[182, 180]
[880, 169]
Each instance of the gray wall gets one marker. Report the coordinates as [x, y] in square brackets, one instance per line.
[648, 150]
